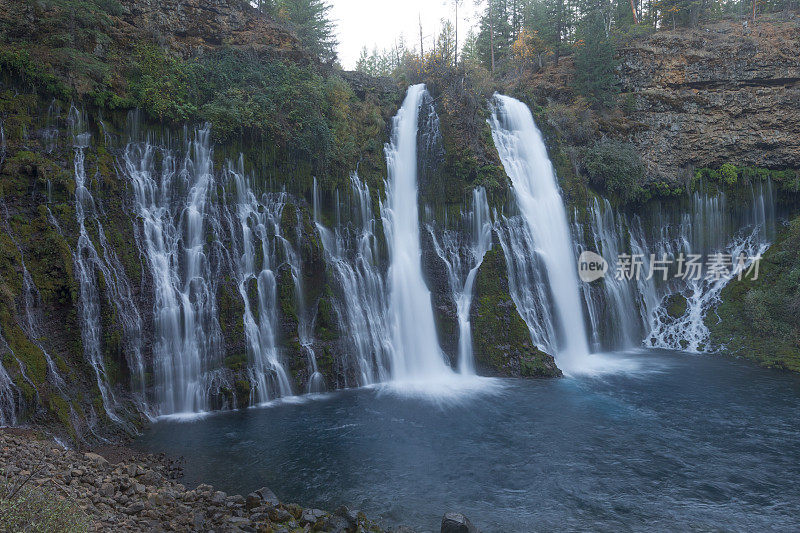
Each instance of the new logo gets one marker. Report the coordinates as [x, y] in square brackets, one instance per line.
[591, 266]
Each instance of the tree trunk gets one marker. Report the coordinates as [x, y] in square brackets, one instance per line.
[455, 52]
[491, 33]
[633, 9]
[421, 50]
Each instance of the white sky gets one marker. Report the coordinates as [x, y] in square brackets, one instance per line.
[378, 23]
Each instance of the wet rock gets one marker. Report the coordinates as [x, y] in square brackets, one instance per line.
[267, 496]
[118, 501]
[135, 508]
[347, 514]
[311, 515]
[457, 523]
[279, 515]
[253, 500]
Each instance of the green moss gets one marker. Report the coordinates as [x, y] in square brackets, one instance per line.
[326, 323]
[676, 305]
[242, 391]
[236, 362]
[31, 356]
[728, 175]
[501, 339]
[231, 310]
[60, 409]
[757, 319]
[287, 296]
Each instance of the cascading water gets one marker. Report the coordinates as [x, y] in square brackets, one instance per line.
[9, 393]
[711, 229]
[362, 306]
[172, 205]
[88, 263]
[618, 319]
[416, 353]
[305, 321]
[524, 157]
[31, 304]
[463, 261]
[85, 259]
[634, 309]
[254, 226]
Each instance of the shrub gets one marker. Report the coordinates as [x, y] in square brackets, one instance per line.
[27, 508]
[728, 173]
[617, 168]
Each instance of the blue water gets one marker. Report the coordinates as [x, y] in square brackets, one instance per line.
[684, 442]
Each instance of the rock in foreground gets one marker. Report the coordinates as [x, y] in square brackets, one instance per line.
[457, 523]
[137, 494]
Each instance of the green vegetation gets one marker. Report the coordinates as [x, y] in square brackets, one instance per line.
[676, 305]
[729, 174]
[757, 319]
[617, 169]
[293, 117]
[310, 20]
[501, 338]
[25, 507]
[595, 62]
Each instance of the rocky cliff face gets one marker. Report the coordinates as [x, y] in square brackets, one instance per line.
[189, 26]
[692, 99]
[717, 94]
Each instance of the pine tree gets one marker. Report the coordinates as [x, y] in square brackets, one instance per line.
[311, 21]
[595, 64]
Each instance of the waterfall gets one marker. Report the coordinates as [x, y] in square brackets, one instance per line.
[88, 264]
[175, 209]
[463, 261]
[305, 316]
[710, 228]
[524, 157]
[618, 309]
[254, 226]
[634, 311]
[8, 390]
[31, 303]
[362, 307]
[85, 259]
[2, 144]
[416, 353]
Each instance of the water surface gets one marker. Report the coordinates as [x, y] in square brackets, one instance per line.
[684, 442]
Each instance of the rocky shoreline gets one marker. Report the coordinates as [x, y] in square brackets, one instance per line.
[121, 490]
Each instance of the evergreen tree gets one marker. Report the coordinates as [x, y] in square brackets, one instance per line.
[310, 20]
[495, 33]
[469, 50]
[595, 64]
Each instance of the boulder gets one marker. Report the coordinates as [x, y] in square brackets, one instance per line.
[107, 490]
[99, 460]
[312, 515]
[457, 523]
[267, 496]
[253, 500]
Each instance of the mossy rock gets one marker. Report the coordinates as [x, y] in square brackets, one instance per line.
[236, 362]
[757, 318]
[501, 339]
[676, 305]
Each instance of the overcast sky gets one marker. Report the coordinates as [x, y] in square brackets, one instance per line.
[378, 23]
